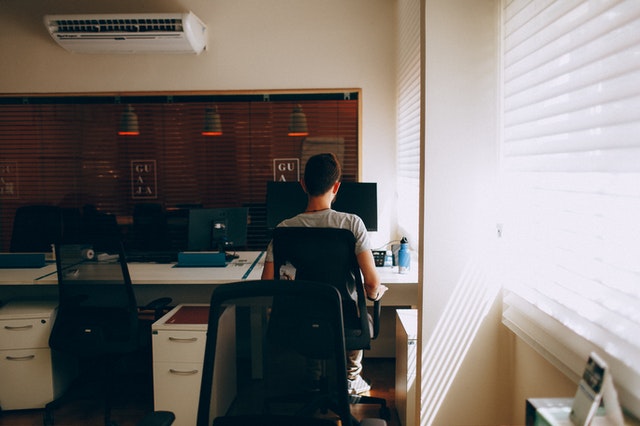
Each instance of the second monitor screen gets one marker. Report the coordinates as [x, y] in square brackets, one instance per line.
[287, 199]
[217, 229]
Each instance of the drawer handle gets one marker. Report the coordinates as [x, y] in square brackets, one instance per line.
[183, 373]
[183, 339]
[20, 358]
[18, 327]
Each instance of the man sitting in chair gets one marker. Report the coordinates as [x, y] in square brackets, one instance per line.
[321, 183]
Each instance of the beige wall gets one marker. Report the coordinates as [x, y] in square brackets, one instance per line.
[462, 360]
[299, 44]
[483, 373]
[535, 377]
[253, 45]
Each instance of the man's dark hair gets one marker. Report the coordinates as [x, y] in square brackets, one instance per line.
[321, 172]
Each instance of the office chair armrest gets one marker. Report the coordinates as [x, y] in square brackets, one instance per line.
[376, 318]
[158, 418]
[157, 306]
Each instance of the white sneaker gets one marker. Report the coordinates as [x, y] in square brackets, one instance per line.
[357, 386]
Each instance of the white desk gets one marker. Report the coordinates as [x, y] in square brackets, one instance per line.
[150, 280]
[26, 276]
[188, 285]
[16, 284]
[195, 285]
[246, 267]
[555, 412]
[403, 288]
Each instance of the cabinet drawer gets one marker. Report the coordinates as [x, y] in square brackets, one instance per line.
[176, 388]
[178, 346]
[26, 378]
[24, 333]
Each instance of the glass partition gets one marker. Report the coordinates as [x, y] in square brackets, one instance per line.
[65, 150]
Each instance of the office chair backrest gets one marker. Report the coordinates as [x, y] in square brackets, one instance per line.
[101, 229]
[272, 356]
[71, 225]
[97, 312]
[35, 228]
[150, 231]
[327, 255]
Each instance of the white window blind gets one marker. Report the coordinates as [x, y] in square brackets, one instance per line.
[408, 119]
[570, 162]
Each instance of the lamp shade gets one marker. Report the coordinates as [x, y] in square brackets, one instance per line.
[212, 123]
[298, 122]
[129, 123]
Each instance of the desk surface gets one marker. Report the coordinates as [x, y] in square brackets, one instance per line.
[26, 276]
[555, 412]
[403, 289]
[246, 267]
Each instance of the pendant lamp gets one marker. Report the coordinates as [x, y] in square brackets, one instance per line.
[212, 123]
[298, 122]
[129, 123]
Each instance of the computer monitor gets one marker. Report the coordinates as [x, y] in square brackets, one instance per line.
[287, 199]
[217, 228]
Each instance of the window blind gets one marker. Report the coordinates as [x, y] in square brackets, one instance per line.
[570, 159]
[408, 118]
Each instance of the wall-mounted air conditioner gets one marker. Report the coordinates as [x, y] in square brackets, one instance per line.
[129, 33]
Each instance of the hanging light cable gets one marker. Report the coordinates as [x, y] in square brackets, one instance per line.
[298, 122]
[129, 122]
[212, 123]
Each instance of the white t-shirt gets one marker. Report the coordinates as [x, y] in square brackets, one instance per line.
[328, 218]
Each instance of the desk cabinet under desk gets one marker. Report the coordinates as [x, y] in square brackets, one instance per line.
[178, 341]
[31, 374]
[406, 350]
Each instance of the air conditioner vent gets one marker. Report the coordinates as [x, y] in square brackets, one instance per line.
[130, 33]
[116, 25]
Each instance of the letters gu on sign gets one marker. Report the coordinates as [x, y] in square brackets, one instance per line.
[144, 183]
[286, 169]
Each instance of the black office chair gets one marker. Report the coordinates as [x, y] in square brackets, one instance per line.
[150, 227]
[97, 318]
[328, 255]
[36, 228]
[272, 356]
[71, 224]
[100, 228]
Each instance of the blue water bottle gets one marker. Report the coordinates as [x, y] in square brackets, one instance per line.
[404, 258]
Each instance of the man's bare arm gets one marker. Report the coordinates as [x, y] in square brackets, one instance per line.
[372, 285]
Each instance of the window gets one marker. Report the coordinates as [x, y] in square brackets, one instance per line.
[65, 151]
[571, 180]
[408, 119]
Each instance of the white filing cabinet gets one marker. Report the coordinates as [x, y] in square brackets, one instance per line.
[32, 375]
[179, 339]
[406, 349]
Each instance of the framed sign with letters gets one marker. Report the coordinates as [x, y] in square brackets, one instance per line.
[144, 181]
